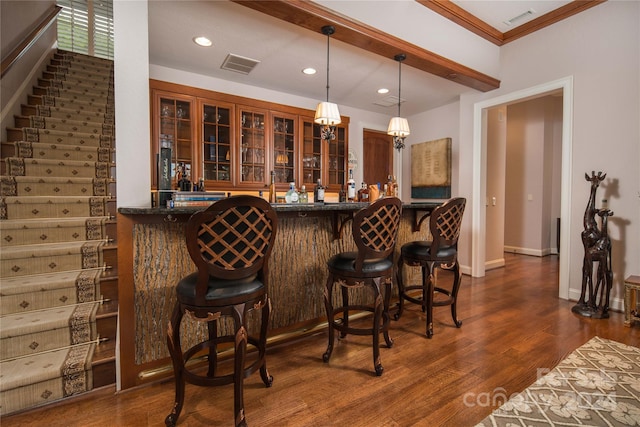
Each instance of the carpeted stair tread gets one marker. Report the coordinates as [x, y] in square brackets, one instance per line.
[27, 186]
[42, 367]
[49, 151]
[20, 232]
[77, 104]
[52, 207]
[84, 94]
[65, 125]
[18, 166]
[68, 113]
[75, 83]
[36, 331]
[50, 258]
[37, 292]
[50, 377]
[87, 78]
[58, 137]
[47, 250]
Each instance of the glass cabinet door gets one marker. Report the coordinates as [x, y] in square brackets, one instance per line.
[217, 155]
[284, 160]
[175, 140]
[337, 167]
[311, 154]
[252, 147]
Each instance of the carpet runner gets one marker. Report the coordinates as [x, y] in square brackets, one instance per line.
[54, 215]
[596, 385]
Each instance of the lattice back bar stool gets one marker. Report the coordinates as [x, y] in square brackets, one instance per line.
[230, 243]
[440, 252]
[375, 231]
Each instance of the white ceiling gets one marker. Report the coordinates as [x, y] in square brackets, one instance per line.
[284, 49]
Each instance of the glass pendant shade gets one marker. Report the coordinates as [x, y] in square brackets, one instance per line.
[327, 114]
[398, 126]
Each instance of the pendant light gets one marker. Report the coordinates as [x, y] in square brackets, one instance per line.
[399, 126]
[327, 114]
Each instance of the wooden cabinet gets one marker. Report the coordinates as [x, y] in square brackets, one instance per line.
[235, 142]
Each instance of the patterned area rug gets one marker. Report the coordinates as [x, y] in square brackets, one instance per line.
[596, 385]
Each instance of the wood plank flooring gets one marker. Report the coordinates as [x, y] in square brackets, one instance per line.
[514, 329]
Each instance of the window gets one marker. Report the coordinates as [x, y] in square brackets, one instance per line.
[86, 26]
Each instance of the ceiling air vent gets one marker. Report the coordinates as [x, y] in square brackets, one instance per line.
[389, 101]
[239, 64]
[510, 22]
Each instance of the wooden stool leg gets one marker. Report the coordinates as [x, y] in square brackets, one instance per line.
[377, 319]
[454, 294]
[266, 314]
[239, 359]
[428, 289]
[328, 304]
[175, 350]
[386, 318]
[399, 280]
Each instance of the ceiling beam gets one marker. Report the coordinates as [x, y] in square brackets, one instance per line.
[313, 16]
[455, 13]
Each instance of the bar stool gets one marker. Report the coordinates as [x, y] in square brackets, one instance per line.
[230, 243]
[440, 252]
[375, 231]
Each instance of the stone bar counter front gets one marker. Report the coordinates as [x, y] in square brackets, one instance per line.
[152, 258]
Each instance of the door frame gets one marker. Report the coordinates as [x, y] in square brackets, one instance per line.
[479, 186]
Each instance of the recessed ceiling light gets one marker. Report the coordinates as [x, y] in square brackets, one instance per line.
[309, 71]
[202, 41]
[383, 90]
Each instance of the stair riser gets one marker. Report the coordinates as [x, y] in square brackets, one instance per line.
[94, 74]
[70, 187]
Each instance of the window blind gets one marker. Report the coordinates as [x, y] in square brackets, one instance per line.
[86, 26]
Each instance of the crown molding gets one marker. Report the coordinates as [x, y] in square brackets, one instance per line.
[455, 13]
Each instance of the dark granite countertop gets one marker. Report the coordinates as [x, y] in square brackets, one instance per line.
[280, 207]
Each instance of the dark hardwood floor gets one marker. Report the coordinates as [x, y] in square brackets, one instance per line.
[514, 328]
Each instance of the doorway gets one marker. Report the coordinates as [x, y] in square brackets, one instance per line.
[377, 156]
[479, 192]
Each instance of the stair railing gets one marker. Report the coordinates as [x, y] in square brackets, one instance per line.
[29, 40]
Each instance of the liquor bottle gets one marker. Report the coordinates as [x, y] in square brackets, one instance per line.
[342, 195]
[363, 194]
[304, 196]
[272, 188]
[318, 194]
[351, 187]
[389, 190]
[291, 196]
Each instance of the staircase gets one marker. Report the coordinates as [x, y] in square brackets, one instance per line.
[58, 255]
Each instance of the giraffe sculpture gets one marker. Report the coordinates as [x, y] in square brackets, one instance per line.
[600, 252]
[590, 236]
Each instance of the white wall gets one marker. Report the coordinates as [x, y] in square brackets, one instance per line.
[600, 49]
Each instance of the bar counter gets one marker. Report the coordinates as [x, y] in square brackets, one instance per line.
[152, 257]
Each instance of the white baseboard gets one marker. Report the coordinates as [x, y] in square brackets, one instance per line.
[615, 304]
[528, 251]
[493, 264]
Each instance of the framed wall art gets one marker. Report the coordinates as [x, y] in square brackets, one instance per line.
[431, 169]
